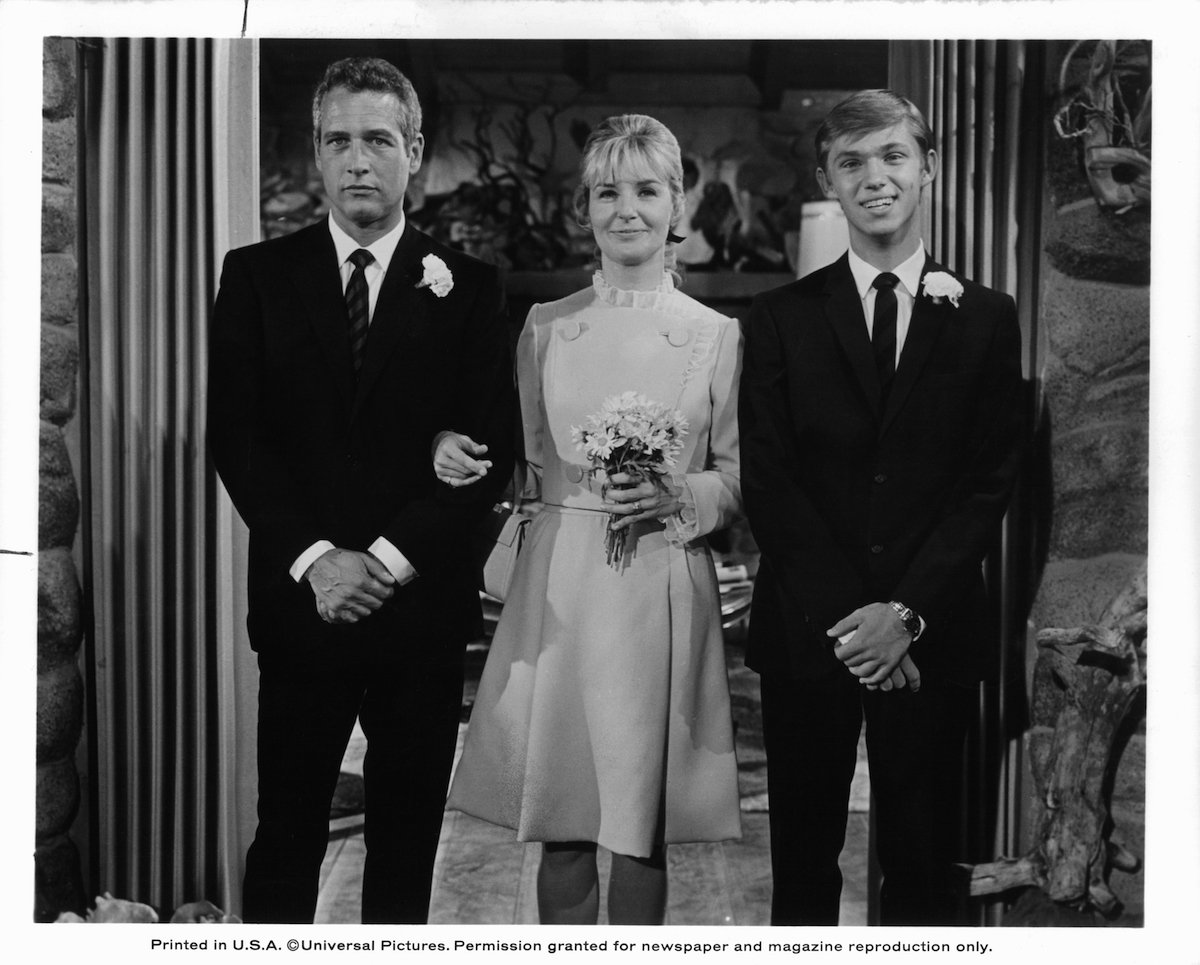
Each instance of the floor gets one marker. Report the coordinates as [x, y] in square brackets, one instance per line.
[484, 876]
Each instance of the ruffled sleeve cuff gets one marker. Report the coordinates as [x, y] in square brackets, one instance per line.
[683, 526]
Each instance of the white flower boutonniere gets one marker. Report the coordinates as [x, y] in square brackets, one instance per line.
[940, 285]
[437, 276]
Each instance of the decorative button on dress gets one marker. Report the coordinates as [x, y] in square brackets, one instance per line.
[603, 710]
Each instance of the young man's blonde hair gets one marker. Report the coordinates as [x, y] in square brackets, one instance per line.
[868, 111]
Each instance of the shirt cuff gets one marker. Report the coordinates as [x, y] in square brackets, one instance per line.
[308, 558]
[396, 562]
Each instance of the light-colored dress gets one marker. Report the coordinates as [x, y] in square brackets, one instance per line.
[603, 710]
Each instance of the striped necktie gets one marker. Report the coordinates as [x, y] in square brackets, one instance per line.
[358, 305]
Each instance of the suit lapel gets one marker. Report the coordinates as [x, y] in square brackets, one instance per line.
[401, 309]
[315, 271]
[844, 311]
[923, 330]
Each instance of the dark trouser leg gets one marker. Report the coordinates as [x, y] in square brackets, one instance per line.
[637, 889]
[810, 729]
[914, 744]
[306, 708]
[568, 888]
[410, 716]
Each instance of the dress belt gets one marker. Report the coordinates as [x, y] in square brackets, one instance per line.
[581, 510]
[644, 526]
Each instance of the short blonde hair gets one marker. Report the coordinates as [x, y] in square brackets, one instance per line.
[630, 144]
[868, 111]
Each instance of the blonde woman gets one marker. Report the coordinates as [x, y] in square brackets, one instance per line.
[602, 716]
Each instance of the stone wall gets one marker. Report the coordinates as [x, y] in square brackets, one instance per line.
[58, 884]
[1095, 312]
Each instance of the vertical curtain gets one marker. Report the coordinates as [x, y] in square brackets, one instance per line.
[236, 223]
[981, 218]
[159, 540]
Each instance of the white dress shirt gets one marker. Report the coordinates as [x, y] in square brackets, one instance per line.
[381, 250]
[909, 273]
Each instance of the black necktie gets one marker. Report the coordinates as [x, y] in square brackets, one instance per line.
[883, 329]
[358, 305]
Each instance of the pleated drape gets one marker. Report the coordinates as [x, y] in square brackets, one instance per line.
[982, 217]
[158, 537]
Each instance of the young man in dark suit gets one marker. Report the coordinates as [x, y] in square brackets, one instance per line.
[880, 427]
[338, 355]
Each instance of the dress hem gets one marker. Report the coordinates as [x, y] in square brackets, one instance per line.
[714, 839]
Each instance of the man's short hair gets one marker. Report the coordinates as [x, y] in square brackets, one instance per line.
[372, 74]
[867, 111]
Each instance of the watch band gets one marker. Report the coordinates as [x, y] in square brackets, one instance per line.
[912, 622]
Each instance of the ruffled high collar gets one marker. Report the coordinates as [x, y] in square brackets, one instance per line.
[621, 298]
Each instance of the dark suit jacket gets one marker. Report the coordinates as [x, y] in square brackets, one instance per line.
[853, 500]
[309, 452]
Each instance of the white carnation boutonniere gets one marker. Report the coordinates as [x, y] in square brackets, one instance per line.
[437, 276]
[940, 285]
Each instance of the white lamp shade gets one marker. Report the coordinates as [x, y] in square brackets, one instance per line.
[823, 235]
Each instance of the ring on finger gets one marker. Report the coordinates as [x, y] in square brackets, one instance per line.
[637, 505]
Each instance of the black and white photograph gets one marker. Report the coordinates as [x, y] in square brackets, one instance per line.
[477, 467]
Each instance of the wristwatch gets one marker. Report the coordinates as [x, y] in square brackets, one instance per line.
[908, 616]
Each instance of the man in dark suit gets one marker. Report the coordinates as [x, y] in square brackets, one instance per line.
[338, 355]
[880, 434]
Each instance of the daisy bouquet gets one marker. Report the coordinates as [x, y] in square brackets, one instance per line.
[633, 435]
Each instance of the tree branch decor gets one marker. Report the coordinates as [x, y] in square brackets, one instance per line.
[1102, 671]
